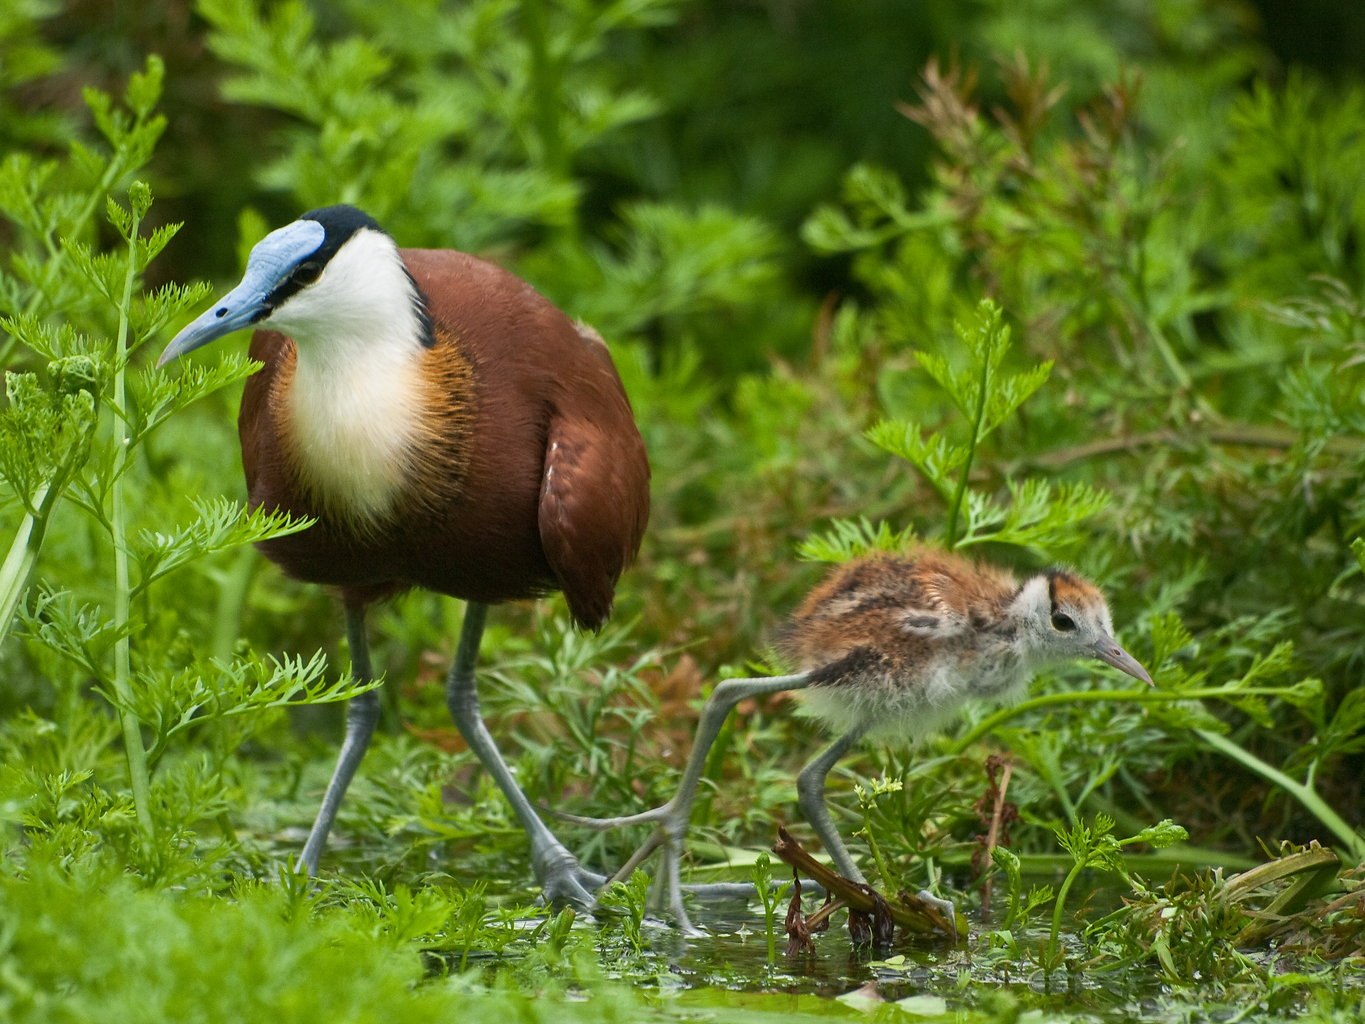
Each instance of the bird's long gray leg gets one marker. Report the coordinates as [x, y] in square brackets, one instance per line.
[562, 878]
[673, 817]
[810, 793]
[361, 715]
[810, 790]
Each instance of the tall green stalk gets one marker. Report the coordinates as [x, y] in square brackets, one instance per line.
[1058, 909]
[1307, 797]
[138, 773]
[56, 255]
[960, 494]
[129, 149]
[232, 592]
[1145, 695]
[23, 553]
[28, 539]
[544, 85]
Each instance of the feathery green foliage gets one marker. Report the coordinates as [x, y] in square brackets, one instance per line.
[78, 431]
[1098, 291]
[1095, 847]
[1036, 516]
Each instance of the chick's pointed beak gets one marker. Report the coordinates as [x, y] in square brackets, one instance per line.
[1108, 651]
[270, 264]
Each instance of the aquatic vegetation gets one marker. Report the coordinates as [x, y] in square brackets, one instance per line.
[1097, 304]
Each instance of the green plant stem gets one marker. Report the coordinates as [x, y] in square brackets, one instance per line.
[770, 927]
[1143, 696]
[762, 875]
[1305, 795]
[879, 860]
[1173, 364]
[1059, 908]
[1352, 840]
[1037, 865]
[138, 774]
[232, 591]
[28, 539]
[544, 86]
[876, 851]
[715, 761]
[972, 442]
[57, 254]
[23, 554]
[1244, 435]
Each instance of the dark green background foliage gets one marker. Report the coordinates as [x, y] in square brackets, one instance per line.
[787, 219]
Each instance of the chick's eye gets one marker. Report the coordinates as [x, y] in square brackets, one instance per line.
[1062, 622]
[308, 272]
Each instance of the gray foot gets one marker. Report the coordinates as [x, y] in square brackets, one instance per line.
[564, 881]
[944, 907]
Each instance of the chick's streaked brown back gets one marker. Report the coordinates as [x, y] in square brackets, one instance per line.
[906, 608]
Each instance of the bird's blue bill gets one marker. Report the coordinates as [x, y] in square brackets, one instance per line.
[270, 263]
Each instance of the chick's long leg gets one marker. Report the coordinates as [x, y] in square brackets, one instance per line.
[361, 715]
[673, 817]
[562, 878]
[810, 789]
[810, 793]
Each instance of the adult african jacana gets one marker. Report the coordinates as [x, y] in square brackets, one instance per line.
[448, 429]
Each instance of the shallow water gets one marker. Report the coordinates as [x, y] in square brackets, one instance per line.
[726, 975]
[931, 975]
[731, 972]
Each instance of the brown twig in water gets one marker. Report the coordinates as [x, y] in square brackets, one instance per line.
[910, 912]
[798, 931]
[819, 921]
[799, 927]
[1002, 816]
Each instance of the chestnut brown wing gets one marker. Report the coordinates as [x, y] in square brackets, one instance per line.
[594, 503]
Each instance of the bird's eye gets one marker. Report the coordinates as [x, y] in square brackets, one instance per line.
[1062, 622]
[307, 272]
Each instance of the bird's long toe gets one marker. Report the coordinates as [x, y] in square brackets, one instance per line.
[944, 907]
[571, 885]
[654, 814]
[564, 881]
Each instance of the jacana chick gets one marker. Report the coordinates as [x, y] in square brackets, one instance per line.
[448, 428]
[893, 646]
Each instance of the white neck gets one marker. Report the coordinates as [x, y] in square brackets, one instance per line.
[364, 299]
[355, 401]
